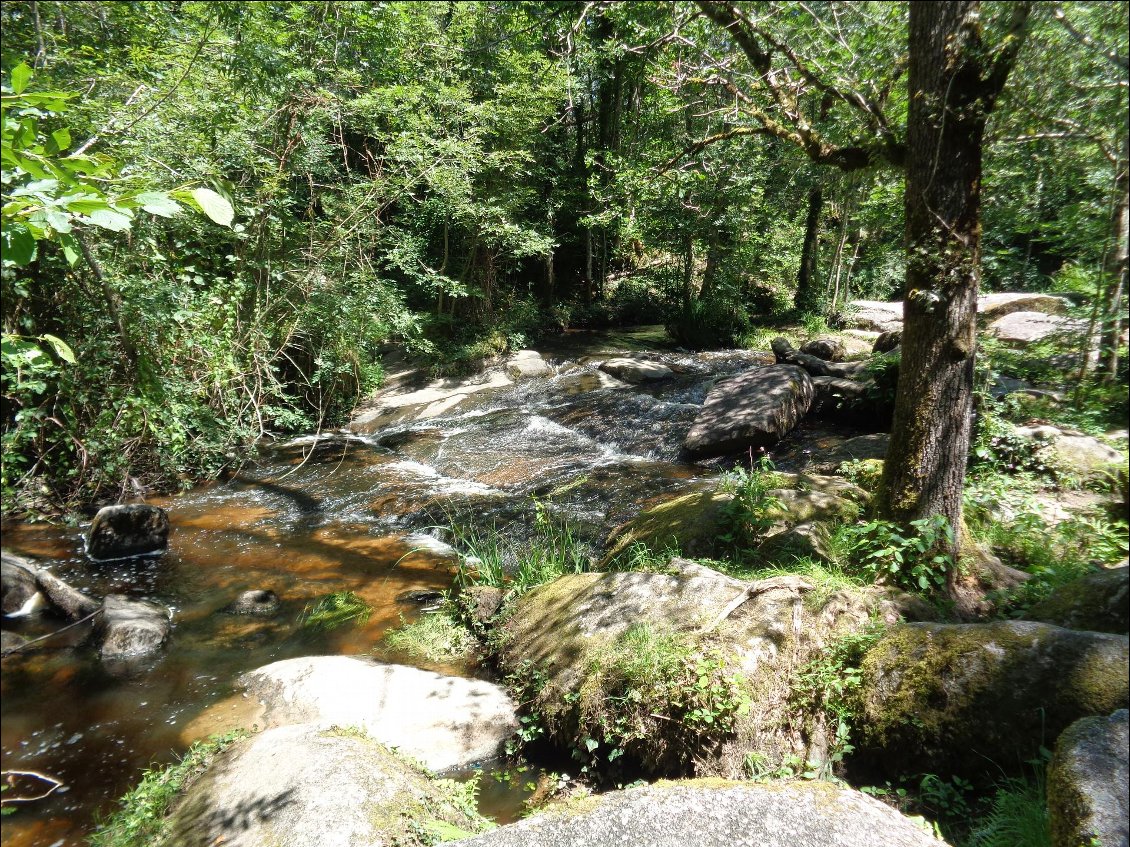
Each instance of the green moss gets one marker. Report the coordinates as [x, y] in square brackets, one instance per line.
[141, 819]
[434, 638]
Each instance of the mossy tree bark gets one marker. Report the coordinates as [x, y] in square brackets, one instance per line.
[806, 290]
[954, 81]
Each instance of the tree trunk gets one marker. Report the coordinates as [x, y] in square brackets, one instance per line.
[688, 274]
[952, 93]
[806, 299]
[1115, 271]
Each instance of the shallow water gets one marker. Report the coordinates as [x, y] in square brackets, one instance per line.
[357, 512]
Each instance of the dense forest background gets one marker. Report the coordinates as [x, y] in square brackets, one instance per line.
[218, 216]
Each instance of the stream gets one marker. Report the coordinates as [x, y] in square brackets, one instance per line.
[358, 510]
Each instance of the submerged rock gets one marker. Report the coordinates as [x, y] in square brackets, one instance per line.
[754, 409]
[963, 698]
[118, 532]
[716, 813]
[260, 601]
[443, 721]
[1087, 780]
[302, 785]
[131, 629]
[1098, 602]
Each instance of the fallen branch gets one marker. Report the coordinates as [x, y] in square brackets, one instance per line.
[27, 644]
[791, 583]
[10, 776]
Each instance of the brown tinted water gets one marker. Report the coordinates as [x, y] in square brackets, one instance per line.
[312, 517]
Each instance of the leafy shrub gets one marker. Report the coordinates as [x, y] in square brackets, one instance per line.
[912, 557]
[435, 637]
[710, 324]
[749, 514]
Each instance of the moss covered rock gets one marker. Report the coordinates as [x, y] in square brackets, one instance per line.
[968, 698]
[693, 522]
[716, 813]
[676, 673]
[1099, 602]
[1087, 783]
[300, 785]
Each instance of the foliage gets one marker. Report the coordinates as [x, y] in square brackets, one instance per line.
[1017, 817]
[828, 685]
[342, 608]
[866, 473]
[747, 516]
[651, 701]
[908, 556]
[435, 637]
[141, 818]
[490, 558]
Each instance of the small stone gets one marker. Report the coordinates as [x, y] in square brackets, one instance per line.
[130, 629]
[260, 602]
[118, 532]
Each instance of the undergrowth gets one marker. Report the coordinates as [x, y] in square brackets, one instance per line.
[141, 818]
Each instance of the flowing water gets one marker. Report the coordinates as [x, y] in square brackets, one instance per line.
[359, 511]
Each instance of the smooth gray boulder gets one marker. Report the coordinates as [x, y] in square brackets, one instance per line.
[714, 813]
[527, 364]
[951, 698]
[306, 786]
[118, 532]
[1098, 602]
[443, 721]
[131, 629]
[887, 341]
[993, 306]
[1086, 784]
[875, 315]
[829, 349]
[754, 409]
[1078, 455]
[1023, 328]
[636, 370]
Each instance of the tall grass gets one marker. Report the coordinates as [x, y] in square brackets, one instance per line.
[491, 559]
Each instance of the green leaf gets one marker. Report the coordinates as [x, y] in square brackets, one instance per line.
[70, 249]
[62, 138]
[158, 203]
[214, 206]
[110, 219]
[21, 73]
[62, 349]
[18, 245]
[591, 744]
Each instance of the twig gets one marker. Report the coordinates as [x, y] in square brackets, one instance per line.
[55, 785]
[27, 644]
[791, 583]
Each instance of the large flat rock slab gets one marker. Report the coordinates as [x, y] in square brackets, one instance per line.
[715, 813]
[754, 409]
[443, 721]
[1023, 328]
[993, 306]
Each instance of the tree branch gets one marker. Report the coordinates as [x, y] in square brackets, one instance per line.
[1111, 55]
